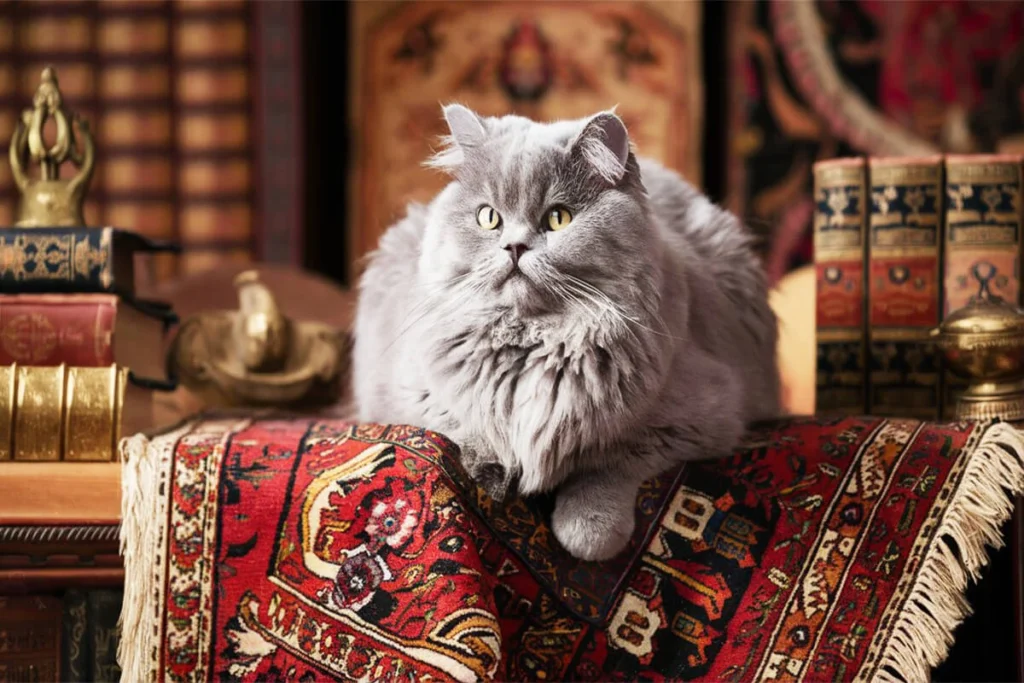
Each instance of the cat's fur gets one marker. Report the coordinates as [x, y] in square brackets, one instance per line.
[637, 337]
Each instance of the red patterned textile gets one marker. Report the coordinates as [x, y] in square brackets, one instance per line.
[311, 549]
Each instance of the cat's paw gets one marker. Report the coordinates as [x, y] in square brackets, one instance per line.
[491, 477]
[591, 528]
[485, 470]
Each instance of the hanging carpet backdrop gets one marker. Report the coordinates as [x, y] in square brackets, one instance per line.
[304, 549]
[819, 79]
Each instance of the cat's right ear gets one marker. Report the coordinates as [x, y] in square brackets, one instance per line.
[466, 132]
[466, 127]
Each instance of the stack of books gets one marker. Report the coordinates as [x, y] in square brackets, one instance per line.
[899, 244]
[80, 356]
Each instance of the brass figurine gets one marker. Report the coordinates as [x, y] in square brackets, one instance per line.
[983, 342]
[255, 356]
[48, 200]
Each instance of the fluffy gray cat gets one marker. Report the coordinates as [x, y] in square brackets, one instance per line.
[576, 318]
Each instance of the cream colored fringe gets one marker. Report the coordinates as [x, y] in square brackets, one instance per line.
[140, 522]
[980, 506]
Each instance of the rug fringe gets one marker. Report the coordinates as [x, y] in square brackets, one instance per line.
[140, 521]
[937, 604]
[137, 514]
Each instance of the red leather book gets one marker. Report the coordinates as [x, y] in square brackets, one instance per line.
[86, 330]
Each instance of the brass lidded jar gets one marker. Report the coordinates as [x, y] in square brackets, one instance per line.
[983, 342]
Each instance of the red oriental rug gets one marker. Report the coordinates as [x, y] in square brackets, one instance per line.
[308, 550]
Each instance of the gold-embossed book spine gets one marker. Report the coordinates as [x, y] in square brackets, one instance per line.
[60, 413]
[840, 194]
[905, 287]
[983, 243]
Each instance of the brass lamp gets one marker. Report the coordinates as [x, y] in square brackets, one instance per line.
[983, 342]
[257, 357]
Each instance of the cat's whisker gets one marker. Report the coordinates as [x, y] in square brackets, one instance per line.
[612, 308]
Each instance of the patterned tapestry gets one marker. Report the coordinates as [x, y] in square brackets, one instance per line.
[817, 79]
[313, 549]
[546, 60]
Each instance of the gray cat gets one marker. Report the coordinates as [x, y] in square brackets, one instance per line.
[574, 317]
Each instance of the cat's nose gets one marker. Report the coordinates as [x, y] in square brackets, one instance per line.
[515, 250]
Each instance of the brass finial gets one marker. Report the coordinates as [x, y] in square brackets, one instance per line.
[260, 332]
[48, 200]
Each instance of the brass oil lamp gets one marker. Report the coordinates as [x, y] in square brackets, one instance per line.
[983, 342]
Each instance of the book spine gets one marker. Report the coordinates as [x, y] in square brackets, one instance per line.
[36, 332]
[212, 90]
[840, 191]
[905, 291]
[58, 260]
[60, 413]
[75, 657]
[135, 124]
[29, 638]
[983, 242]
[104, 607]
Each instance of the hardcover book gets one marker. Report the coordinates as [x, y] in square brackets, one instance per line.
[30, 628]
[75, 658]
[983, 243]
[88, 330]
[839, 228]
[904, 294]
[104, 608]
[69, 413]
[72, 260]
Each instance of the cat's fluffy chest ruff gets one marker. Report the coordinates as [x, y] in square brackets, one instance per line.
[543, 383]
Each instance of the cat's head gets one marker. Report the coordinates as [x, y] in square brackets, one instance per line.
[537, 214]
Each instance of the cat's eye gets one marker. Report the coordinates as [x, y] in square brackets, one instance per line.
[488, 218]
[559, 218]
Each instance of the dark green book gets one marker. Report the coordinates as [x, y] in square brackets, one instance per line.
[75, 655]
[72, 260]
[104, 610]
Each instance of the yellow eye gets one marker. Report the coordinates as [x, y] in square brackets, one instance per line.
[559, 218]
[488, 218]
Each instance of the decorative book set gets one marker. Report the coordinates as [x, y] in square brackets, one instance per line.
[80, 356]
[918, 266]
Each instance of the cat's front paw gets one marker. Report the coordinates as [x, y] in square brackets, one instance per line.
[590, 526]
[485, 470]
[491, 477]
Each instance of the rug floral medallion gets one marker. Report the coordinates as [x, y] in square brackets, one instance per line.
[308, 549]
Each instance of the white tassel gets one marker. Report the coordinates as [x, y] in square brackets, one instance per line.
[982, 503]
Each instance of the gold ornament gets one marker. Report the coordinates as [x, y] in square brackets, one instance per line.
[48, 201]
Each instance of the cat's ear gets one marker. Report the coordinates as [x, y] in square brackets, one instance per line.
[466, 127]
[466, 130]
[604, 145]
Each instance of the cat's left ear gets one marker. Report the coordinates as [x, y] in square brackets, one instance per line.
[604, 145]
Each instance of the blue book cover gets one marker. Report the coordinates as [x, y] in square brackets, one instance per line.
[72, 260]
